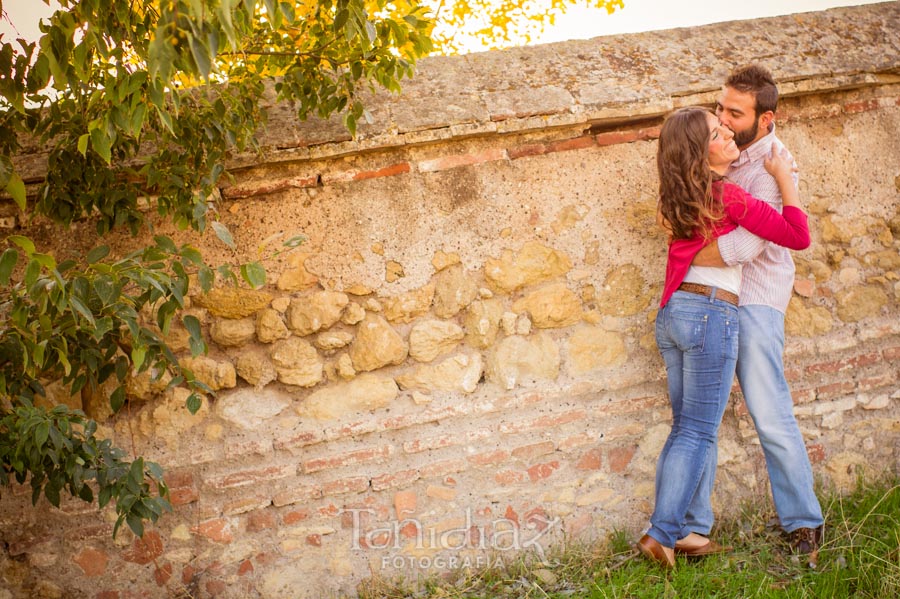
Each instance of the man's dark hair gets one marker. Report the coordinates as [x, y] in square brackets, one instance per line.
[756, 80]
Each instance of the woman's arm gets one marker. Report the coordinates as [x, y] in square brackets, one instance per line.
[789, 229]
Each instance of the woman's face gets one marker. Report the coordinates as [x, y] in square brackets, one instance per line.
[722, 149]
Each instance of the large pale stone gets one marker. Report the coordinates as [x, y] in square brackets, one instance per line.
[860, 302]
[332, 340]
[315, 312]
[517, 360]
[551, 306]
[364, 393]
[803, 321]
[624, 292]
[270, 326]
[377, 344]
[459, 373]
[407, 306]
[233, 302]
[296, 362]
[255, 368]
[231, 332]
[216, 374]
[592, 347]
[250, 408]
[838, 229]
[886, 259]
[483, 322]
[430, 338]
[454, 290]
[534, 263]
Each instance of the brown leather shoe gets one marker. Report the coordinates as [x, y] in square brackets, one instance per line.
[709, 548]
[654, 551]
[806, 541]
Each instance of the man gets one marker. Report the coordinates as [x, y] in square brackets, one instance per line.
[747, 107]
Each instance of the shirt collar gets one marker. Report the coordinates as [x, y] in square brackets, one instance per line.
[760, 148]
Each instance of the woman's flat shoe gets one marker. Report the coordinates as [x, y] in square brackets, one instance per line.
[654, 551]
[710, 548]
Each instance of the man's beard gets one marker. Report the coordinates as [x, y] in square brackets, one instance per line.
[746, 137]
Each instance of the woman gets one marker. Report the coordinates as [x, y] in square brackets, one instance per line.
[697, 325]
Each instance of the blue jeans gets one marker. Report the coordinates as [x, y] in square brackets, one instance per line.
[760, 371]
[698, 339]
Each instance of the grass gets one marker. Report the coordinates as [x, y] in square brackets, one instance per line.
[859, 558]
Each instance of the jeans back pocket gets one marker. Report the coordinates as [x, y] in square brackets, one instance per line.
[688, 329]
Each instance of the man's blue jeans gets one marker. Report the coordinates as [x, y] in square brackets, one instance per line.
[698, 339]
[760, 371]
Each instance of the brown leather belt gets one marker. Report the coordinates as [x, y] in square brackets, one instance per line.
[721, 294]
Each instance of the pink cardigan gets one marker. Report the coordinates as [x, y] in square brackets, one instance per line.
[789, 229]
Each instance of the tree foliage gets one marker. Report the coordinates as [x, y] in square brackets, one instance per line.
[136, 103]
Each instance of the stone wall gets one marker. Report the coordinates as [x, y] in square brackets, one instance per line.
[461, 357]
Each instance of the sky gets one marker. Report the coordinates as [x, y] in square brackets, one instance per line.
[577, 23]
[649, 15]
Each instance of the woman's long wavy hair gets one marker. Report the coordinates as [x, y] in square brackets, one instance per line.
[685, 179]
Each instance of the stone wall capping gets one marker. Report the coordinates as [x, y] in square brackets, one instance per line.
[605, 80]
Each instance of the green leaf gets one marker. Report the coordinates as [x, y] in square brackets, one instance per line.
[193, 403]
[83, 143]
[254, 274]
[166, 244]
[101, 144]
[223, 234]
[16, 188]
[51, 491]
[201, 57]
[97, 254]
[192, 324]
[23, 242]
[79, 307]
[41, 433]
[192, 255]
[64, 360]
[117, 398]
[136, 524]
[207, 278]
[138, 354]
[45, 260]
[7, 264]
[32, 272]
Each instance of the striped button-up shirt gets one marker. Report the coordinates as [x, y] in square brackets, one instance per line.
[768, 270]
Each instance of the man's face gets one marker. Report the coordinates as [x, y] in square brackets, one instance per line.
[737, 111]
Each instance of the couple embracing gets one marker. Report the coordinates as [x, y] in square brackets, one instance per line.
[724, 179]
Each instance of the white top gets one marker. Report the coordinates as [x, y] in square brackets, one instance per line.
[727, 278]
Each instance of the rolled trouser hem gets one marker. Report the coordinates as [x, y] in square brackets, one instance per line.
[810, 524]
